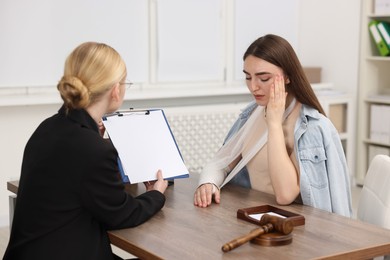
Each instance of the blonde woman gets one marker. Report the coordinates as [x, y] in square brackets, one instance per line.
[70, 191]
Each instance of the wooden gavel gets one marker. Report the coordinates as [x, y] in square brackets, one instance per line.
[269, 223]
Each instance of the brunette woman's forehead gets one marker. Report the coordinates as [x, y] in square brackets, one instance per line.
[257, 66]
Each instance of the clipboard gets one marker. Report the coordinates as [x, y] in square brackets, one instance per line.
[145, 143]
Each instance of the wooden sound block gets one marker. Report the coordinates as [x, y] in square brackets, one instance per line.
[245, 214]
[273, 239]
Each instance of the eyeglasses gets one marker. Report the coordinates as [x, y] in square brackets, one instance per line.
[128, 84]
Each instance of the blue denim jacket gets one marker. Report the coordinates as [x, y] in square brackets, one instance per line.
[324, 177]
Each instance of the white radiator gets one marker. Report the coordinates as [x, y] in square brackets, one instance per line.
[200, 130]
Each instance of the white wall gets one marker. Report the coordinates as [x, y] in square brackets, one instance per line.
[328, 37]
[36, 36]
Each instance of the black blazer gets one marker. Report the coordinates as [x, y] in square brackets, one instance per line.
[70, 193]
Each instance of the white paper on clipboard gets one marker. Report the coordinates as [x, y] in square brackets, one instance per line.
[145, 143]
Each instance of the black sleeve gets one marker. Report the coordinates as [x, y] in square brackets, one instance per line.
[104, 195]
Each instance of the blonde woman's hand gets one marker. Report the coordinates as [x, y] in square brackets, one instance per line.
[277, 102]
[160, 184]
[204, 195]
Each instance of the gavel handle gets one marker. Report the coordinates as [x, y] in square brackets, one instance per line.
[245, 238]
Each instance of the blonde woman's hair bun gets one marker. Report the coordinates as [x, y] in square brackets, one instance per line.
[74, 93]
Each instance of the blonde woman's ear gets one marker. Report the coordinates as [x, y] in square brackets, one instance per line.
[115, 92]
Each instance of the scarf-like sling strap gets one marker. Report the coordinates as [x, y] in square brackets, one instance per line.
[255, 148]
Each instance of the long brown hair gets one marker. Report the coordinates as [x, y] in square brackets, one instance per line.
[278, 51]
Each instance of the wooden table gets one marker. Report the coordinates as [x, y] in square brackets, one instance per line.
[183, 231]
